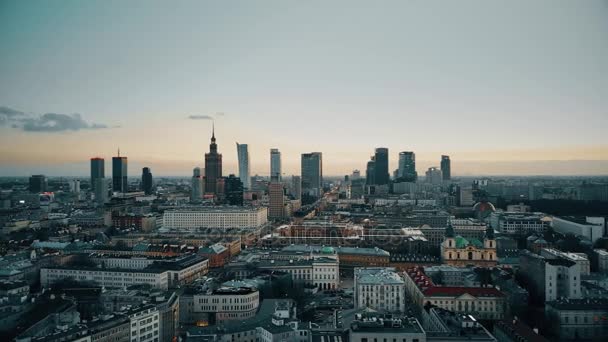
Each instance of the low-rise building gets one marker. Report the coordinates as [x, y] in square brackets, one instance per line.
[551, 277]
[156, 278]
[444, 325]
[370, 326]
[578, 319]
[194, 218]
[379, 288]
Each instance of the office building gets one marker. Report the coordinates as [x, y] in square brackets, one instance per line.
[370, 171]
[146, 181]
[434, 176]
[101, 190]
[74, 186]
[156, 278]
[382, 175]
[119, 174]
[198, 185]
[275, 164]
[296, 187]
[519, 223]
[242, 151]
[215, 218]
[355, 175]
[213, 167]
[446, 172]
[38, 183]
[591, 228]
[579, 319]
[406, 171]
[98, 170]
[312, 174]
[379, 288]
[276, 208]
[225, 303]
[233, 190]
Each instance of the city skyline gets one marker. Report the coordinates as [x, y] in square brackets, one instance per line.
[498, 98]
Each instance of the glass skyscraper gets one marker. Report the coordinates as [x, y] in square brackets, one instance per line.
[244, 171]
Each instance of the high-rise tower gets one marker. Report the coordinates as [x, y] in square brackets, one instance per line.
[97, 171]
[407, 167]
[119, 173]
[312, 174]
[146, 180]
[244, 171]
[275, 164]
[446, 167]
[381, 166]
[213, 166]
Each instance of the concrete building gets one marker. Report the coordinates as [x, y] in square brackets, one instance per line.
[602, 260]
[276, 196]
[321, 272]
[551, 277]
[213, 167]
[446, 168]
[156, 278]
[374, 327]
[145, 325]
[379, 288]
[296, 187]
[579, 319]
[579, 258]
[120, 174]
[590, 228]
[215, 218]
[508, 222]
[227, 303]
[97, 171]
[443, 325]
[433, 175]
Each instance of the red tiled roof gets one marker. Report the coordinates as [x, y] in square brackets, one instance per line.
[455, 291]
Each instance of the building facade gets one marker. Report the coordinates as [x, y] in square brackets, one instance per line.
[215, 218]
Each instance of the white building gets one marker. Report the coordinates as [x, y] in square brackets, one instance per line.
[106, 277]
[228, 303]
[321, 272]
[519, 223]
[379, 288]
[602, 260]
[579, 258]
[553, 277]
[145, 324]
[591, 228]
[215, 218]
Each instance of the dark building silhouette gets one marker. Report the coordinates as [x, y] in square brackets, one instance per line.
[407, 167]
[370, 171]
[38, 183]
[312, 174]
[382, 175]
[98, 170]
[446, 172]
[146, 180]
[213, 166]
[119, 173]
[233, 190]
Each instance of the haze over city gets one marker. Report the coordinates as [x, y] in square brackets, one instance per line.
[515, 88]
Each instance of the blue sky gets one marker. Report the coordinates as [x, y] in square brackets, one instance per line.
[488, 82]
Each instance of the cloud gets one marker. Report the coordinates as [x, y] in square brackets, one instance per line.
[8, 115]
[49, 122]
[200, 117]
[220, 114]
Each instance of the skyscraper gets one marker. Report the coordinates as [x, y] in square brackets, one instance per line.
[213, 166]
[101, 190]
[98, 170]
[197, 185]
[244, 172]
[381, 166]
[38, 183]
[356, 175]
[433, 175]
[275, 164]
[446, 168]
[312, 173]
[276, 209]
[119, 173]
[146, 180]
[407, 167]
[296, 187]
[370, 171]
[233, 188]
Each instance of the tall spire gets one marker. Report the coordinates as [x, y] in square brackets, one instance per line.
[213, 131]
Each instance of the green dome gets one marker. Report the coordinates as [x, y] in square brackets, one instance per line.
[327, 250]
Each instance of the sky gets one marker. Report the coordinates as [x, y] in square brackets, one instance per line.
[503, 87]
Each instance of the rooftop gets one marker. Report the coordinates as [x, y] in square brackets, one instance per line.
[378, 275]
